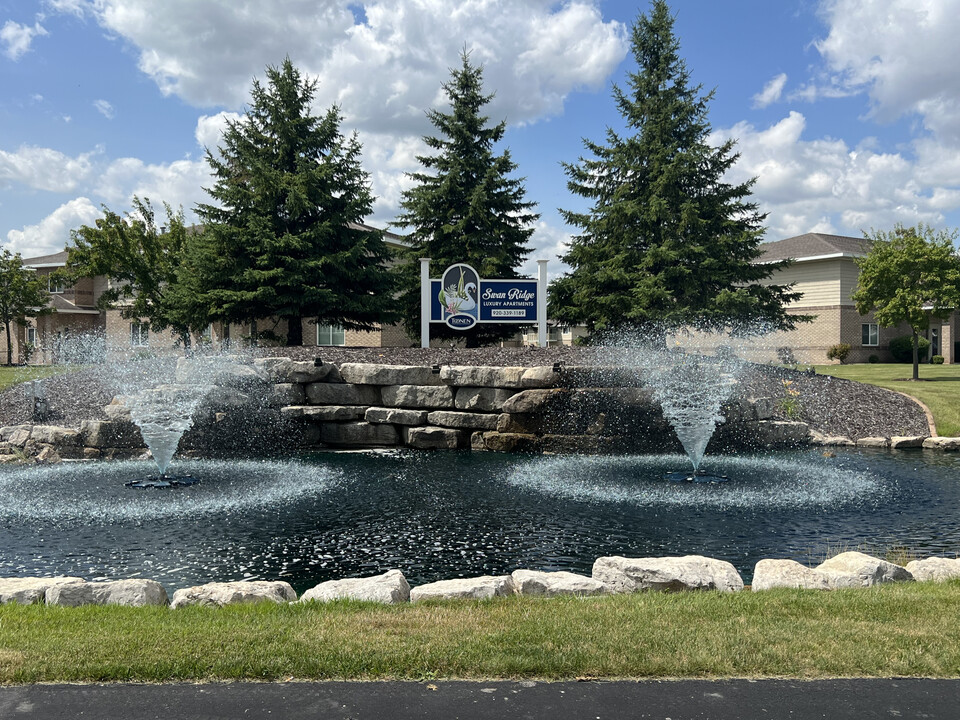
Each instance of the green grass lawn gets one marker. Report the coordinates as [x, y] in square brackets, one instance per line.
[938, 387]
[907, 629]
[11, 375]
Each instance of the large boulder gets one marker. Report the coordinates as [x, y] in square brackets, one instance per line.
[218, 594]
[542, 376]
[395, 416]
[480, 376]
[370, 374]
[551, 584]
[417, 396]
[942, 443]
[531, 401]
[480, 399]
[898, 442]
[283, 394]
[433, 438]
[670, 574]
[29, 590]
[321, 393]
[358, 433]
[390, 588]
[134, 592]
[324, 413]
[770, 574]
[102, 434]
[478, 588]
[935, 569]
[54, 435]
[463, 420]
[856, 569]
[285, 370]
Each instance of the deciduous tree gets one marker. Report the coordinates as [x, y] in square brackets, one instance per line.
[909, 275]
[22, 294]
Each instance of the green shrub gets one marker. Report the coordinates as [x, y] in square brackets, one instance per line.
[873, 359]
[902, 348]
[937, 359]
[840, 351]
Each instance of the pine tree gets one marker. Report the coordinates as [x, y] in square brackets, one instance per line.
[666, 240]
[465, 207]
[284, 237]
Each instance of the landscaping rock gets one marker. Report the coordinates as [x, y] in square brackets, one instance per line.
[48, 456]
[432, 438]
[53, 435]
[285, 370]
[540, 377]
[321, 393]
[463, 420]
[324, 413]
[508, 442]
[396, 416]
[551, 584]
[218, 594]
[855, 569]
[389, 588]
[875, 442]
[907, 441]
[817, 438]
[482, 399]
[531, 401]
[787, 574]
[16, 435]
[934, 569]
[669, 574]
[358, 433]
[102, 434]
[27, 591]
[370, 374]
[286, 394]
[417, 396]
[134, 592]
[942, 443]
[496, 377]
[480, 588]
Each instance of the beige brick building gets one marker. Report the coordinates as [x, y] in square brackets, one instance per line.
[825, 272]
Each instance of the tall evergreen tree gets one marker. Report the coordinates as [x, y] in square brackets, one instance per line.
[666, 240]
[465, 207]
[283, 237]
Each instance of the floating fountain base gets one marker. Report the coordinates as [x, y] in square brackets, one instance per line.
[163, 482]
[698, 476]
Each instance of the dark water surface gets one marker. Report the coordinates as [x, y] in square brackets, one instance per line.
[441, 515]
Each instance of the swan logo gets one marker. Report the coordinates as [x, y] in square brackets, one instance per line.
[459, 296]
[461, 322]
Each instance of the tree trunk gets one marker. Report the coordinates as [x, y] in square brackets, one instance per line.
[295, 331]
[916, 354]
[9, 346]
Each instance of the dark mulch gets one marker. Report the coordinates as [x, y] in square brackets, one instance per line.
[830, 405]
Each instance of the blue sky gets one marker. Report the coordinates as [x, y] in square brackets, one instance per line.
[846, 112]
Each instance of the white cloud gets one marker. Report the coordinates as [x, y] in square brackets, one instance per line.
[771, 91]
[17, 38]
[178, 183]
[45, 169]
[385, 72]
[825, 185]
[105, 108]
[549, 243]
[51, 234]
[904, 53]
[210, 128]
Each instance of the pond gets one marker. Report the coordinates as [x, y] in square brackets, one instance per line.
[456, 514]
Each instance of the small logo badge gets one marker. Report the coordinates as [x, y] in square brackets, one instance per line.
[461, 321]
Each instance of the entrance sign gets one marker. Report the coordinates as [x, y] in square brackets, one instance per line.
[460, 298]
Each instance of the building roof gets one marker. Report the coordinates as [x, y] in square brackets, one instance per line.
[813, 246]
[56, 260]
[62, 305]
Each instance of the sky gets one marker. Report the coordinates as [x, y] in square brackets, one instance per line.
[847, 112]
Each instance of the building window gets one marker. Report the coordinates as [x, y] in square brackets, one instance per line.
[330, 335]
[31, 335]
[54, 285]
[139, 334]
[870, 334]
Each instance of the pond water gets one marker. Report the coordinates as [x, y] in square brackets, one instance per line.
[456, 514]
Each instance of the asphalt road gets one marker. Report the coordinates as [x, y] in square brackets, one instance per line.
[663, 700]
